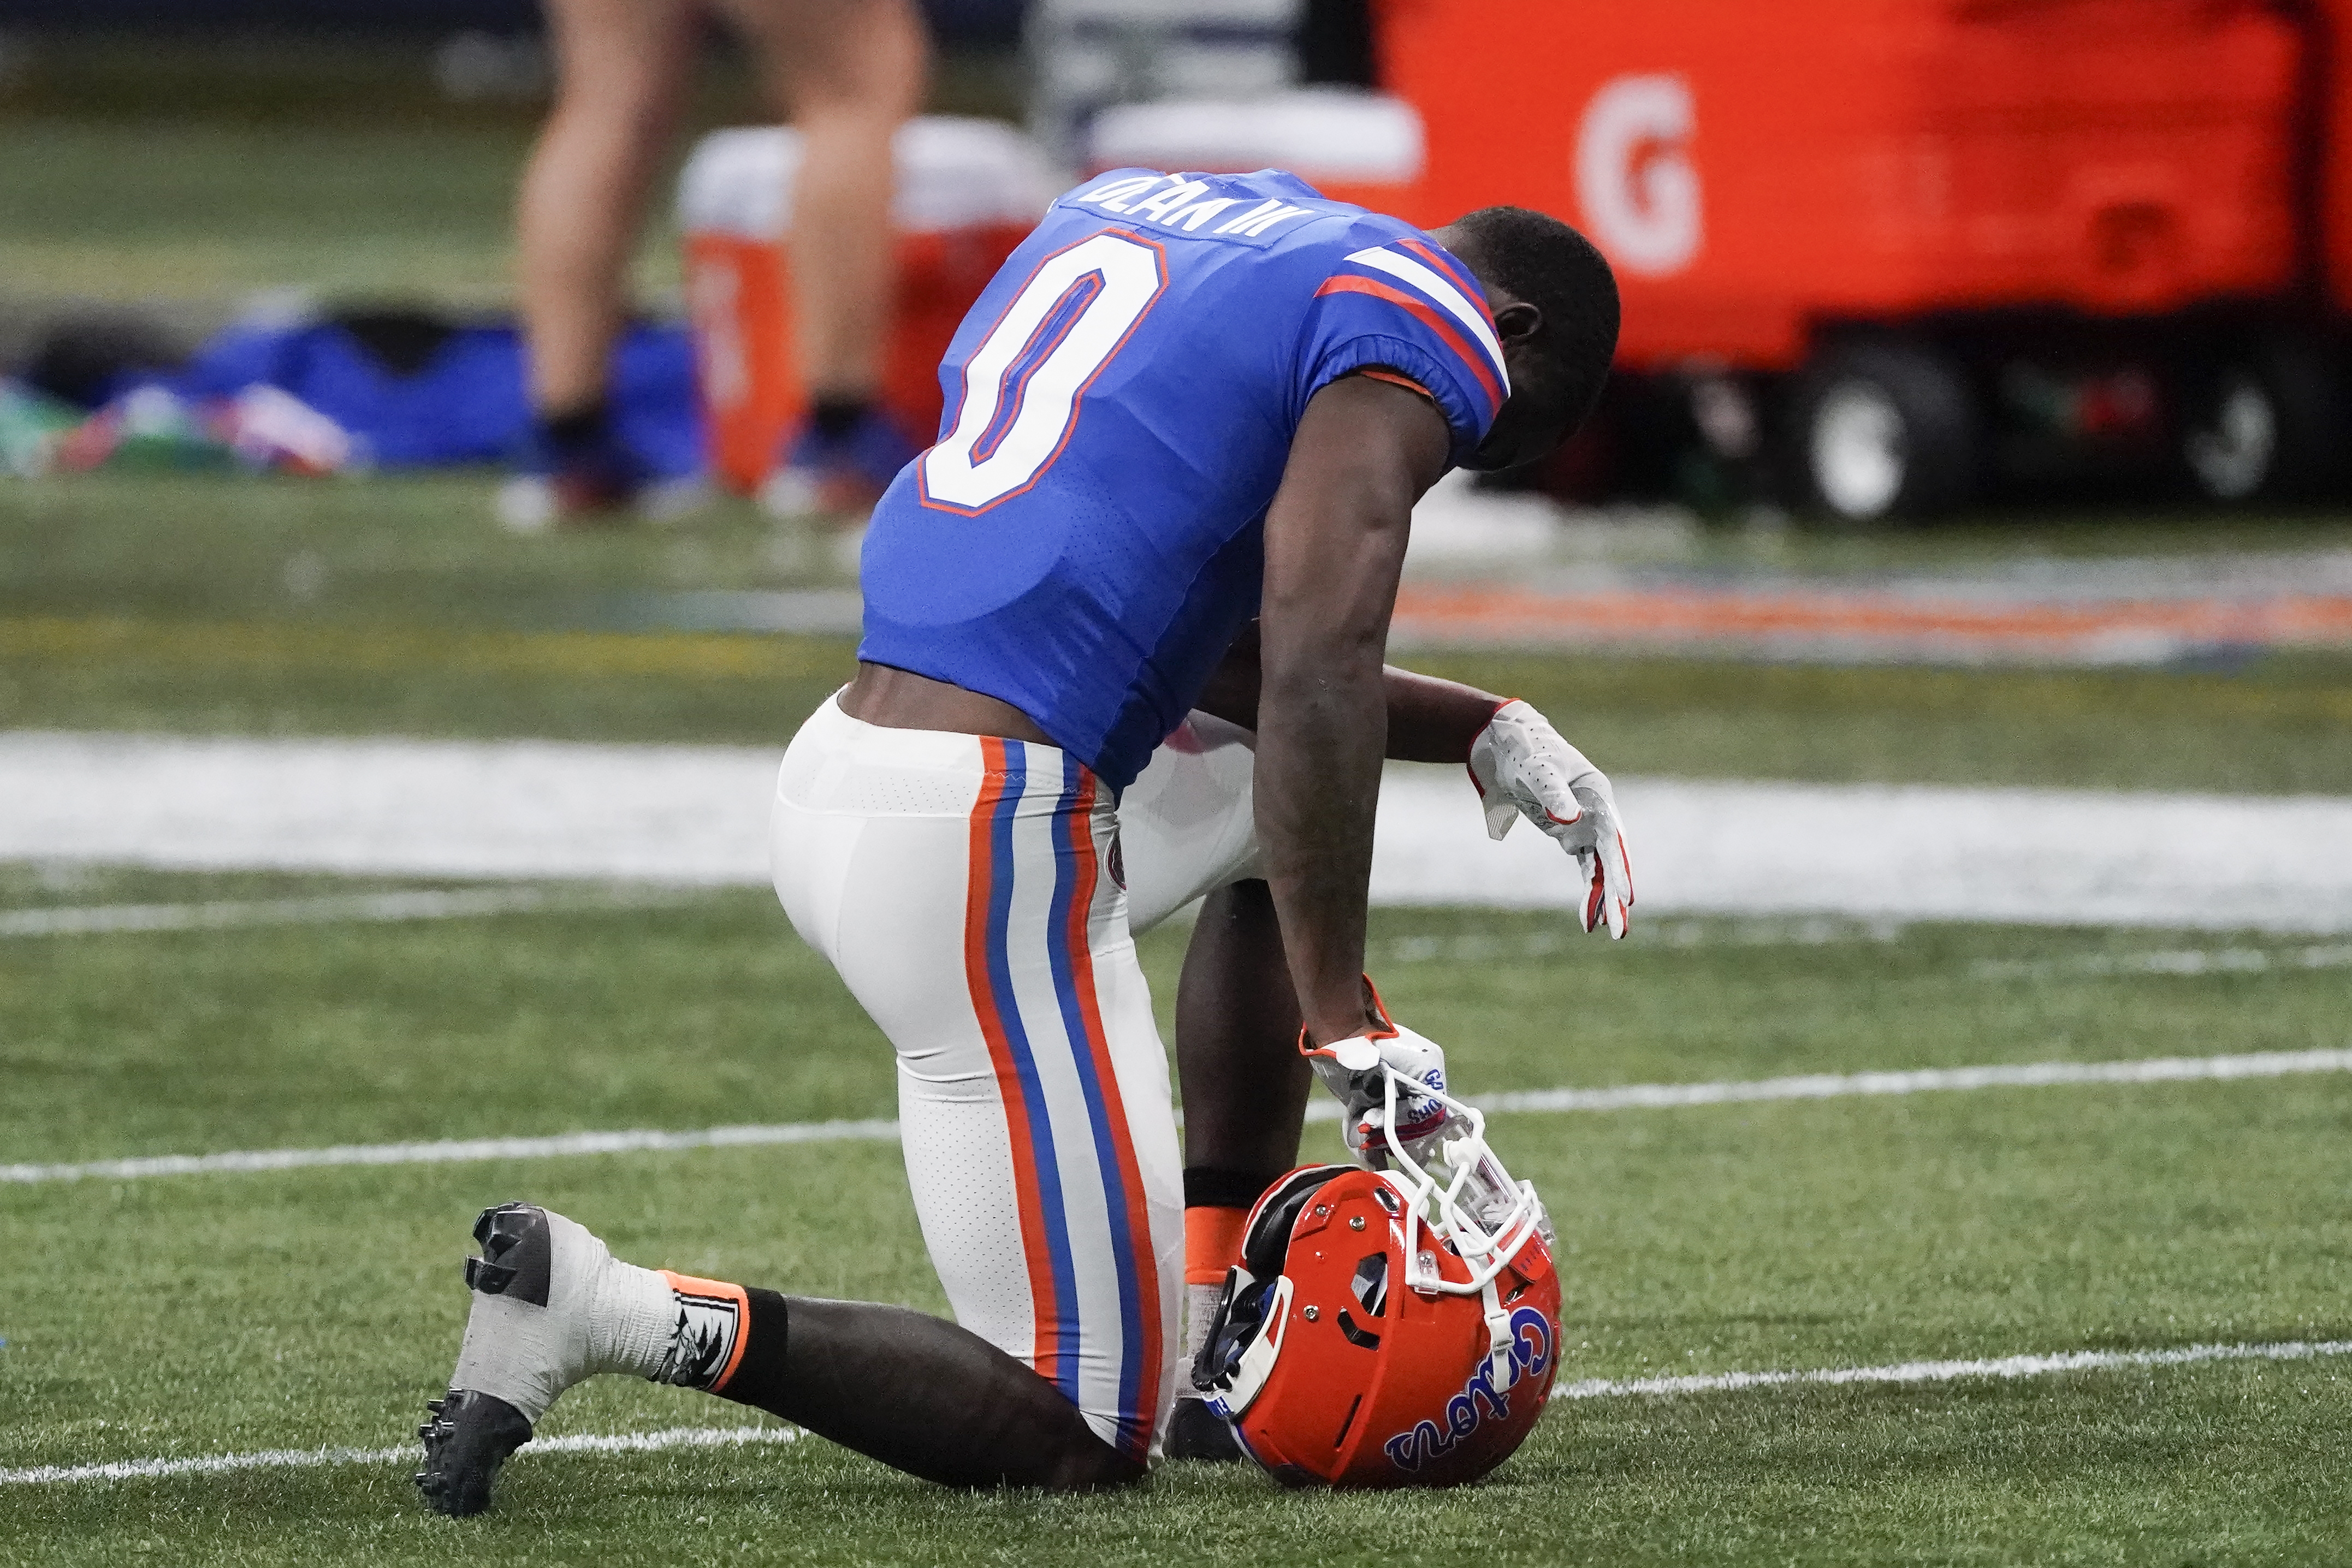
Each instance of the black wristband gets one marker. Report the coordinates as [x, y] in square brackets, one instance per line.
[1205, 1187]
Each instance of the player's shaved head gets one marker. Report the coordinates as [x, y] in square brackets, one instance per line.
[1555, 304]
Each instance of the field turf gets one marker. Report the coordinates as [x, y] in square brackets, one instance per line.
[203, 605]
[223, 1314]
[228, 1313]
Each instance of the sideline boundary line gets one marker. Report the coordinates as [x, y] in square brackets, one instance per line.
[308, 1459]
[417, 904]
[2006, 1367]
[1627, 1097]
[1908, 1372]
[1842, 1085]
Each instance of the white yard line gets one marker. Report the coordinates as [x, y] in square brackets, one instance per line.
[1947, 1370]
[1910, 1372]
[308, 1458]
[447, 1151]
[1465, 947]
[1926, 1081]
[324, 909]
[2184, 961]
[1623, 1097]
[1788, 931]
[537, 811]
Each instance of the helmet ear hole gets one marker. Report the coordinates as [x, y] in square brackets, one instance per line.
[1370, 1285]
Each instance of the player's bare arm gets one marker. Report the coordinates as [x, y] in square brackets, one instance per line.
[1365, 452]
[1521, 766]
[1429, 720]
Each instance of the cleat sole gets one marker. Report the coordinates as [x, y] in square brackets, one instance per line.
[1197, 1432]
[470, 1435]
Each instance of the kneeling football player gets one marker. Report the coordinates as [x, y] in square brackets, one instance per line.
[1125, 628]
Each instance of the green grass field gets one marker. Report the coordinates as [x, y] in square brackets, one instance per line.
[229, 1313]
[223, 1314]
[396, 606]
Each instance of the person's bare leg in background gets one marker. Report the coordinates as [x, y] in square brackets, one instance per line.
[622, 70]
[848, 72]
[852, 72]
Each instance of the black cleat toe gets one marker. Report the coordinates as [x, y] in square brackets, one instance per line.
[469, 1438]
[517, 1253]
[1198, 1433]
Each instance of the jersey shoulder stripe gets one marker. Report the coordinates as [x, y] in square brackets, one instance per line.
[1471, 359]
[1443, 292]
[1451, 268]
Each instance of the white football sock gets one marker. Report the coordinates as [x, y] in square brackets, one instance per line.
[601, 1315]
[1200, 1311]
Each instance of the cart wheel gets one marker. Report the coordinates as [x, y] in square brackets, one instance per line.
[2268, 422]
[1880, 429]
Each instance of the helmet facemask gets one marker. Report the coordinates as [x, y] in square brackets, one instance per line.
[1468, 1200]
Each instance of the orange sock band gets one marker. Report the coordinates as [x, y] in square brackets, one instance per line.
[721, 1310]
[1213, 1242]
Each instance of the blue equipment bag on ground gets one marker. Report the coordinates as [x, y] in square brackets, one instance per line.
[419, 392]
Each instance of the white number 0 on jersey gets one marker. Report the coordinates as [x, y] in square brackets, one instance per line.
[1021, 385]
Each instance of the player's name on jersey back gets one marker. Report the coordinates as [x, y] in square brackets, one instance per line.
[1192, 204]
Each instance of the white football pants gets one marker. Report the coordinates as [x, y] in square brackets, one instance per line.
[970, 892]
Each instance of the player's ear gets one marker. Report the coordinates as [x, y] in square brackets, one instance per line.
[1518, 322]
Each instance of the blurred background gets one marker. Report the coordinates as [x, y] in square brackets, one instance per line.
[1881, 262]
[1957, 583]
[1994, 336]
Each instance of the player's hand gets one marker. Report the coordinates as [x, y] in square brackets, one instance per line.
[1351, 1070]
[1524, 768]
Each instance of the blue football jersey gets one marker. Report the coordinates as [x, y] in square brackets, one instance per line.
[1086, 539]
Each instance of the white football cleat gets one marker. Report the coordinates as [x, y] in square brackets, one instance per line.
[551, 1306]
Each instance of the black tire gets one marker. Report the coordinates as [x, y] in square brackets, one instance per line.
[1880, 429]
[2265, 420]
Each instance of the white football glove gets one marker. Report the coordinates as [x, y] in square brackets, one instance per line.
[1524, 768]
[1349, 1069]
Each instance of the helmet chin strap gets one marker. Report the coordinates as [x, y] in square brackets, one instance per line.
[1498, 1332]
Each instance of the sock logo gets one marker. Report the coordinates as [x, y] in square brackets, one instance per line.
[706, 1340]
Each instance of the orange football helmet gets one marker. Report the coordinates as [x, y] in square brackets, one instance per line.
[1385, 1328]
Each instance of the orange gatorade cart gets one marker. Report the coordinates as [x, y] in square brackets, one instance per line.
[1883, 252]
[968, 191]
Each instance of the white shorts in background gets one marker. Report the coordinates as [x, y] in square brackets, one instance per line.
[968, 892]
[1187, 824]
